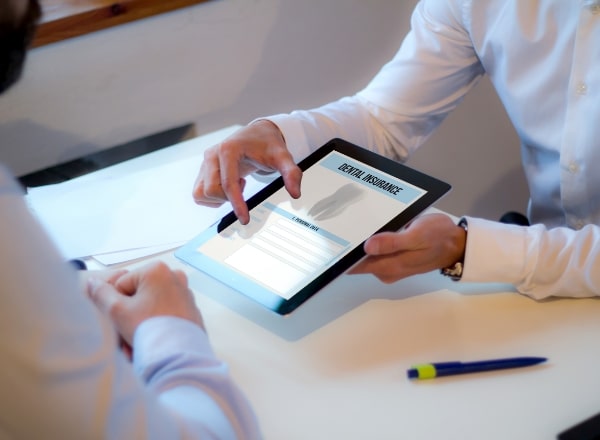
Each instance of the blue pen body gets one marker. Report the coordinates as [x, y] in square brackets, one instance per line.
[438, 369]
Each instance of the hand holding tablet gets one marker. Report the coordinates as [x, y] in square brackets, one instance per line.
[291, 248]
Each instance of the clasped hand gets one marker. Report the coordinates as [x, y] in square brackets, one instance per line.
[130, 298]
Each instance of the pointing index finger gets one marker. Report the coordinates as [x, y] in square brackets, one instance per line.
[233, 185]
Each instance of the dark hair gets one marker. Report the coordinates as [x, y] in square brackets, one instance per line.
[15, 38]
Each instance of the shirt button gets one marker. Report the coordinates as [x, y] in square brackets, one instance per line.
[573, 167]
[581, 88]
[578, 224]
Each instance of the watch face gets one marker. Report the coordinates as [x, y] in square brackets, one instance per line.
[453, 272]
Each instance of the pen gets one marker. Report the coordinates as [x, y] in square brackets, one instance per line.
[78, 264]
[438, 369]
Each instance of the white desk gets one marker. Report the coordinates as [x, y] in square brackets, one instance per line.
[336, 368]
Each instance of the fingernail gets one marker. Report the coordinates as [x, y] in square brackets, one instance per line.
[242, 219]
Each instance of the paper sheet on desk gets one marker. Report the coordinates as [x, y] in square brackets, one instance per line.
[138, 211]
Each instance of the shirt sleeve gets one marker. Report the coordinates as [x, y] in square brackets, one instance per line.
[61, 367]
[539, 262]
[406, 101]
[174, 357]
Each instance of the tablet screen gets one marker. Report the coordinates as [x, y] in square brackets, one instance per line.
[293, 247]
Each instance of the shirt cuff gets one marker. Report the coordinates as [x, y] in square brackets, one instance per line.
[495, 252]
[160, 339]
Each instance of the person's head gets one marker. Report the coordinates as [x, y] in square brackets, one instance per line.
[18, 20]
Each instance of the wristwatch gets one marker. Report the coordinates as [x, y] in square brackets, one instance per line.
[455, 271]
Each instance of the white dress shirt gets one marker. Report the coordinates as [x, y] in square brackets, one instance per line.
[542, 58]
[62, 375]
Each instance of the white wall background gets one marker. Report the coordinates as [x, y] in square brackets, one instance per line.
[228, 61]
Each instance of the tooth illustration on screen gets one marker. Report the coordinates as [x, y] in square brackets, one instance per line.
[335, 203]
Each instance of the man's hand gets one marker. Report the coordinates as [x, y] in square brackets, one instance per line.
[430, 242]
[153, 290]
[107, 275]
[258, 146]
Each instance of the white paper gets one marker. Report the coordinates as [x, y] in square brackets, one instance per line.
[134, 254]
[118, 209]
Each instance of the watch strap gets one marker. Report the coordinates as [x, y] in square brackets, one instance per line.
[455, 271]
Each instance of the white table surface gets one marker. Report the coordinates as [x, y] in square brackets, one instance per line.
[336, 367]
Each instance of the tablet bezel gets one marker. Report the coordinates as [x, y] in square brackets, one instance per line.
[434, 190]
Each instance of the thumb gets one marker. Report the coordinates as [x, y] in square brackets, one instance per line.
[385, 243]
[103, 294]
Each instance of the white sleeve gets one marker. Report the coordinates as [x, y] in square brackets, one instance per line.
[62, 375]
[174, 357]
[406, 101]
[539, 262]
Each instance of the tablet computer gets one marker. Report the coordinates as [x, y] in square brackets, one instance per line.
[588, 429]
[292, 248]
